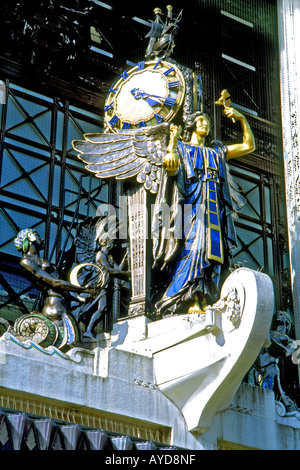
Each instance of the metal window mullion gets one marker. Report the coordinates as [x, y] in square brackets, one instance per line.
[29, 119]
[87, 194]
[242, 223]
[24, 140]
[11, 220]
[64, 156]
[75, 218]
[51, 175]
[89, 198]
[245, 248]
[77, 181]
[257, 186]
[25, 174]
[16, 296]
[22, 198]
[264, 221]
[76, 123]
[25, 151]
[25, 210]
[61, 209]
[13, 294]
[277, 256]
[3, 127]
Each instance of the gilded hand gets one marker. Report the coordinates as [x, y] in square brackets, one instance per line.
[171, 163]
[233, 114]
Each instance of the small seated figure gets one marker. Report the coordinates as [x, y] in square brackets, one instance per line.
[57, 292]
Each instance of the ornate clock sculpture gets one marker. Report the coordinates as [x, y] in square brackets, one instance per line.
[152, 91]
[141, 144]
[148, 94]
[198, 361]
[170, 270]
[139, 109]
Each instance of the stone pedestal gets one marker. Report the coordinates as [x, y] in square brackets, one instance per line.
[130, 330]
[199, 360]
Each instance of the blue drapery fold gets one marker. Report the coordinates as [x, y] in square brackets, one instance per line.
[207, 227]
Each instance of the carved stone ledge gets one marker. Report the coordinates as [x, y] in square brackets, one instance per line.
[200, 360]
[201, 373]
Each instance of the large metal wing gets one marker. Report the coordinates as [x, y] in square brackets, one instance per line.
[87, 246]
[86, 241]
[126, 153]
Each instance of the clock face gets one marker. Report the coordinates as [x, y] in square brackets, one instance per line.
[147, 94]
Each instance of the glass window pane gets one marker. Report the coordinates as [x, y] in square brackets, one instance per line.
[26, 170]
[60, 130]
[270, 268]
[268, 205]
[250, 249]
[14, 114]
[13, 86]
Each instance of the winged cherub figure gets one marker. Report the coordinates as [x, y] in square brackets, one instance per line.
[95, 241]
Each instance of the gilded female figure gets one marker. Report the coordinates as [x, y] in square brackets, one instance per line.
[208, 233]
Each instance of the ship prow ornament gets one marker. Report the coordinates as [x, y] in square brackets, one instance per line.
[161, 35]
[199, 360]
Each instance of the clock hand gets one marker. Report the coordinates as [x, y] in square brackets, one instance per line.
[137, 94]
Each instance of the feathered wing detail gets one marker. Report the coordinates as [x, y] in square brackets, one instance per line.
[87, 246]
[126, 153]
[235, 189]
[86, 241]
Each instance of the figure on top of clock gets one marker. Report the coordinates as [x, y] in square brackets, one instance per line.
[155, 132]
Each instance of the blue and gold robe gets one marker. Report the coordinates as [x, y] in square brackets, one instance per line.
[208, 233]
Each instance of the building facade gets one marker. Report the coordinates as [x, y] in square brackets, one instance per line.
[58, 61]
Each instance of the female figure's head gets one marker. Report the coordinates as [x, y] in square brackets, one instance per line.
[198, 123]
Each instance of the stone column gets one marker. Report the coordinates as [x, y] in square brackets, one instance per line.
[289, 42]
[140, 251]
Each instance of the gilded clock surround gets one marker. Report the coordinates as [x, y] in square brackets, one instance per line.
[147, 94]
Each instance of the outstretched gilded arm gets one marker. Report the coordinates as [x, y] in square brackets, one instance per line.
[48, 279]
[248, 144]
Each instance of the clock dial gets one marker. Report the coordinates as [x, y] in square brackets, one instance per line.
[147, 94]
